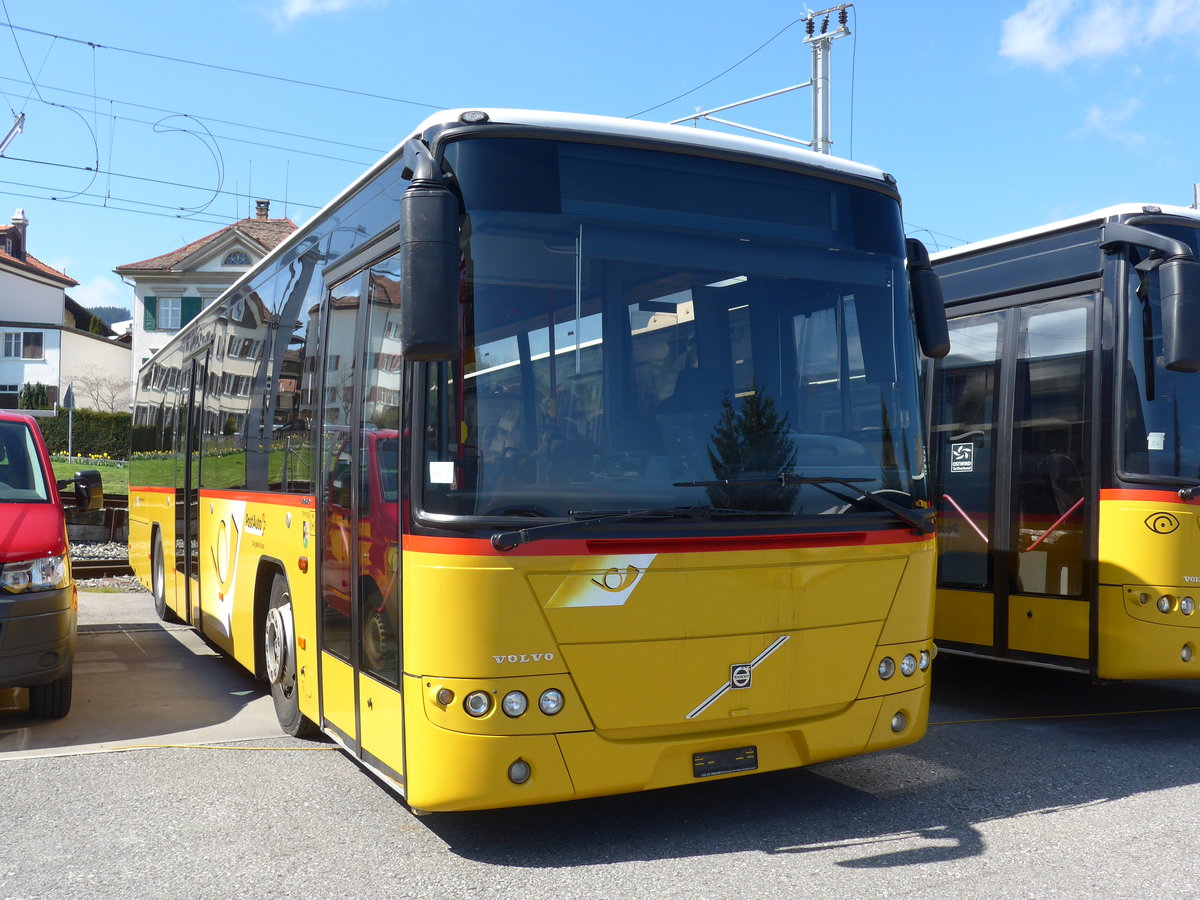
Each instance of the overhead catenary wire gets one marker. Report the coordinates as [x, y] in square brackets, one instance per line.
[202, 118]
[220, 68]
[719, 75]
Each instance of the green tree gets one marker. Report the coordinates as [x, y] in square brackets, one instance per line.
[95, 326]
[33, 396]
[751, 441]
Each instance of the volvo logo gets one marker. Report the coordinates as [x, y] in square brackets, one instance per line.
[523, 658]
[1162, 523]
[739, 676]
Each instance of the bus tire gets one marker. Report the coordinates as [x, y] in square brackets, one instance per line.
[158, 581]
[279, 653]
[51, 700]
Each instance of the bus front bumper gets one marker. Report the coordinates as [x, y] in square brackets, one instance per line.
[450, 770]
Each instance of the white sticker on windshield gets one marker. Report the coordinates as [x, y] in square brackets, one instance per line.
[1155, 440]
[441, 473]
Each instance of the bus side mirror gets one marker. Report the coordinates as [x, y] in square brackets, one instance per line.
[89, 490]
[1179, 290]
[929, 309]
[429, 265]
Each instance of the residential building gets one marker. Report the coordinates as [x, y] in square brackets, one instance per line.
[47, 338]
[171, 289]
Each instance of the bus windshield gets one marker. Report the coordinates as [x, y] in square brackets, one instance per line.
[639, 321]
[1160, 410]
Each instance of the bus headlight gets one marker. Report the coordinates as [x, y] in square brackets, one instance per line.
[477, 703]
[46, 574]
[924, 664]
[1166, 603]
[551, 702]
[1187, 606]
[887, 668]
[908, 665]
[514, 704]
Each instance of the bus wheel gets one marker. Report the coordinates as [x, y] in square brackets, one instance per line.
[279, 652]
[51, 700]
[158, 581]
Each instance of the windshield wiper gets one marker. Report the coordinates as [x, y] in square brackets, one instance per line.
[510, 540]
[922, 522]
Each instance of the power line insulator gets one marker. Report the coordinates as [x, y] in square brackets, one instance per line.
[825, 25]
[843, 16]
[809, 26]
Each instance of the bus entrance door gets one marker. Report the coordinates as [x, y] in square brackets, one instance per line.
[359, 528]
[1014, 443]
[187, 499]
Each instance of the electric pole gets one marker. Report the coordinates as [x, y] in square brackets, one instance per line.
[820, 38]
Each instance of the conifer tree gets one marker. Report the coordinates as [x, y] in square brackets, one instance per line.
[751, 441]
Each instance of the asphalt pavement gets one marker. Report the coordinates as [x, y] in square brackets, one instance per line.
[1030, 783]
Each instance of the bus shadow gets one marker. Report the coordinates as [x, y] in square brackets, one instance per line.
[1004, 742]
[142, 685]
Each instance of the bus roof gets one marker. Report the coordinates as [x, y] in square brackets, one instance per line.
[605, 126]
[1108, 213]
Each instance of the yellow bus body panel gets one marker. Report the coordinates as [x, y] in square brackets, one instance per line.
[1149, 547]
[964, 617]
[382, 718]
[1053, 625]
[643, 648]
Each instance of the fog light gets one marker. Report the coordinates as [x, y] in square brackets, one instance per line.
[514, 704]
[519, 772]
[551, 702]
[445, 696]
[887, 668]
[1187, 606]
[1166, 603]
[899, 722]
[908, 665]
[477, 703]
[924, 664]
[1186, 653]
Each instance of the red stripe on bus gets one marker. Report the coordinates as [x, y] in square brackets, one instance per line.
[276, 499]
[151, 490]
[1145, 495]
[593, 547]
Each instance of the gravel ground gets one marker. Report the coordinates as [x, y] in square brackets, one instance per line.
[104, 550]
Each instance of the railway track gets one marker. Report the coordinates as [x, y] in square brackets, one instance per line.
[100, 568]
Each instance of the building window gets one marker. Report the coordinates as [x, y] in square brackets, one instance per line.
[168, 313]
[237, 258]
[23, 345]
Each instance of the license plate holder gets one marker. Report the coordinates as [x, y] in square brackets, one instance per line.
[724, 762]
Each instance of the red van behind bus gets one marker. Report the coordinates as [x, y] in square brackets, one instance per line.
[38, 600]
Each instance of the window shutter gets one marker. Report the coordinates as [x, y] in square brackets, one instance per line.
[189, 308]
[150, 321]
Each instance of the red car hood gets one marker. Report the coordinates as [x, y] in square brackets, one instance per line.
[31, 531]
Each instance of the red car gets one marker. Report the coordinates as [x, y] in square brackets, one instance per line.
[38, 600]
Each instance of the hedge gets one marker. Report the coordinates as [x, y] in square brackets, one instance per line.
[92, 432]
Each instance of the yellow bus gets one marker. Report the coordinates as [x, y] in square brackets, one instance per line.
[1066, 449]
[562, 456]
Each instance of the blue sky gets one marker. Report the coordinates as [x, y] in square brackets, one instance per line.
[993, 116]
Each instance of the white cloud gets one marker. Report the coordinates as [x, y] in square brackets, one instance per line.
[285, 12]
[1055, 33]
[1113, 121]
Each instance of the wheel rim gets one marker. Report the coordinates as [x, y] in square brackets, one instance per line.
[277, 645]
[159, 593]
